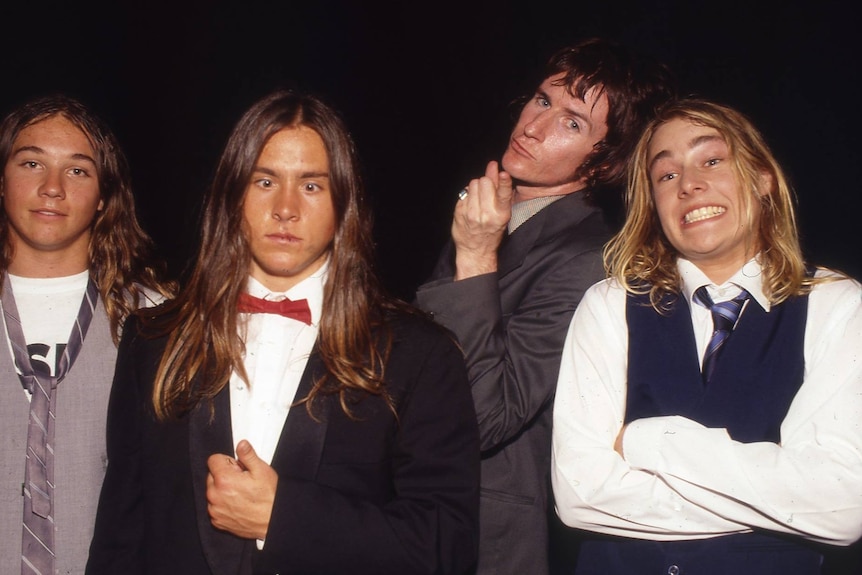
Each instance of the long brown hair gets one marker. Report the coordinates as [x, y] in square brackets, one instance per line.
[642, 259]
[204, 346]
[121, 259]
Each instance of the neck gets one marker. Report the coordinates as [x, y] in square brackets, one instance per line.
[719, 269]
[719, 272]
[34, 264]
[524, 192]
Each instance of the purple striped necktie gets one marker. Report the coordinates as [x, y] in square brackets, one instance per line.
[37, 545]
[724, 318]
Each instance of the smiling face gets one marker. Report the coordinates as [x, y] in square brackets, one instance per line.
[699, 199]
[51, 196]
[288, 214]
[554, 134]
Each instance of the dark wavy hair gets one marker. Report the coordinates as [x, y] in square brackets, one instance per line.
[635, 85]
[121, 254]
[204, 346]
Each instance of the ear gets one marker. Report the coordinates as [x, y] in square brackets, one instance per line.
[603, 168]
[764, 184]
[101, 205]
[596, 173]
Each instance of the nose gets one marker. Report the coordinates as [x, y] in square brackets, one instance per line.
[534, 127]
[690, 183]
[285, 206]
[52, 185]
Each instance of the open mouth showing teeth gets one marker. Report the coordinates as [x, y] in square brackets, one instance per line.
[703, 214]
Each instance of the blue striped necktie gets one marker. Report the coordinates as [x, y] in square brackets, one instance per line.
[724, 318]
[37, 543]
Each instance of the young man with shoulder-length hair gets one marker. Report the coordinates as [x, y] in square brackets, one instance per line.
[74, 263]
[510, 302]
[708, 409]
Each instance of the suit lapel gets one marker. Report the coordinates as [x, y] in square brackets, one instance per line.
[553, 219]
[209, 433]
[515, 247]
[298, 454]
[300, 446]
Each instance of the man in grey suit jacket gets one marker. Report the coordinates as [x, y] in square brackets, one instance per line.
[69, 241]
[510, 302]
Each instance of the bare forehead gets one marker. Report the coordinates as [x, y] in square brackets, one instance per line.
[295, 136]
[54, 131]
[299, 146]
[678, 136]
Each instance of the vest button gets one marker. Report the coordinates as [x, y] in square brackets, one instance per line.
[673, 570]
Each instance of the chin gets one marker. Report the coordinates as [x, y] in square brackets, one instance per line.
[510, 162]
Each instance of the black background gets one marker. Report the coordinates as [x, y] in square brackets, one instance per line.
[425, 88]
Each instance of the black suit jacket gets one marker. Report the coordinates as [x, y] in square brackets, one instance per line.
[378, 494]
[512, 325]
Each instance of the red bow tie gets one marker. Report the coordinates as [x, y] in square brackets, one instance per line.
[297, 310]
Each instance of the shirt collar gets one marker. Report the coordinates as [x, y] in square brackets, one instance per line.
[311, 289]
[523, 211]
[749, 277]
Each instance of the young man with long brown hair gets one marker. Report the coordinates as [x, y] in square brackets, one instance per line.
[338, 438]
[74, 260]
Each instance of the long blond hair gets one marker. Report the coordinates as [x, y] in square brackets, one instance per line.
[642, 259]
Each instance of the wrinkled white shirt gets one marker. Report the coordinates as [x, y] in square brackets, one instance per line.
[276, 352]
[681, 480]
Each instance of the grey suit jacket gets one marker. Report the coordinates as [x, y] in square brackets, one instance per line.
[512, 326]
[79, 451]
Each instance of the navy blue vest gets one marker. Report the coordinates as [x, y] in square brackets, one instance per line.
[756, 377]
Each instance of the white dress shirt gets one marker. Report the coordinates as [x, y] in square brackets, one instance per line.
[276, 351]
[681, 480]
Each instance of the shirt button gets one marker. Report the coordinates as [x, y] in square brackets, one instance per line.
[673, 570]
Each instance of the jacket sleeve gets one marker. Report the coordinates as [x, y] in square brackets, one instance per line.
[117, 545]
[513, 358]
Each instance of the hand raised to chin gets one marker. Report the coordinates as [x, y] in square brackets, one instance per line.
[480, 220]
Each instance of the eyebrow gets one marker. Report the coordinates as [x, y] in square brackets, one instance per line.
[38, 150]
[693, 143]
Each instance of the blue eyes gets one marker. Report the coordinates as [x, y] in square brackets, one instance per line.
[710, 163]
[543, 102]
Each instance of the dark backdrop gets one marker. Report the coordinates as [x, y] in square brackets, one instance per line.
[425, 87]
